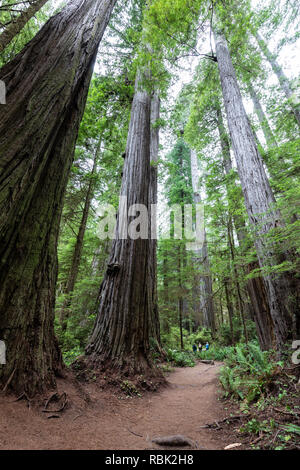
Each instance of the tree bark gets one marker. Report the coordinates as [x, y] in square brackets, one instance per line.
[180, 298]
[229, 307]
[18, 23]
[154, 149]
[126, 314]
[47, 86]
[238, 289]
[277, 69]
[255, 287]
[166, 299]
[258, 196]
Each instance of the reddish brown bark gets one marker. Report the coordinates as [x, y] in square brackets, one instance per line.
[47, 85]
[127, 311]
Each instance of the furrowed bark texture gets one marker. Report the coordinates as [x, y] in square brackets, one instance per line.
[180, 298]
[229, 304]
[258, 195]
[47, 85]
[154, 149]
[18, 23]
[277, 69]
[205, 281]
[127, 311]
[256, 288]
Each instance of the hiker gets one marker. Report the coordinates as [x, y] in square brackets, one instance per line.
[200, 347]
[207, 346]
[194, 348]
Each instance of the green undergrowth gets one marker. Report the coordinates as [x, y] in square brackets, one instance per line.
[180, 358]
[248, 372]
[267, 394]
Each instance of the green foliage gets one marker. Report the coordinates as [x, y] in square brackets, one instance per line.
[216, 353]
[291, 428]
[180, 358]
[171, 338]
[255, 427]
[10, 10]
[72, 354]
[129, 389]
[224, 337]
[248, 372]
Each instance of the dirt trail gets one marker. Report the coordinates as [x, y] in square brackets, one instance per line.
[112, 422]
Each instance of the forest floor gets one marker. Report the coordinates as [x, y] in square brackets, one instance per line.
[96, 419]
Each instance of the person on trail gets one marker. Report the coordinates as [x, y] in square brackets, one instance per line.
[194, 348]
[200, 347]
[207, 346]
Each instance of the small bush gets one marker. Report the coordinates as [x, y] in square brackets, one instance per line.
[72, 354]
[216, 353]
[180, 358]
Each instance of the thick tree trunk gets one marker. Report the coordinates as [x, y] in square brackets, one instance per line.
[19, 22]
[269, 136]
[76, 258]
[255, 287]
[258, 196]
[47, 85]
[262, 317]
[277, 69]
[126, 314]
[202, 258]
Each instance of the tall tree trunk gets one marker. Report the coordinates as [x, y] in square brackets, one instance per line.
[19, 22]
[221, 310]
[277, 69]
[269, 136]
[154, 149]
[47, 86]
[229, 307]
[202, 257]
[256, 288]
[76, 258]
[166, 299]
[258, 196]
[180, 298]
[238, 289]
[124, 324]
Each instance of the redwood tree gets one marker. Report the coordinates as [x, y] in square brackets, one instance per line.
[256, 288]
[277, 69]
[127, 313]
[258, 196]
[47, 85]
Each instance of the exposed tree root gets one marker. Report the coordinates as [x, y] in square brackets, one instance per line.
[60, 399]
[131, 377]
[216, 424]
[174, 441]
